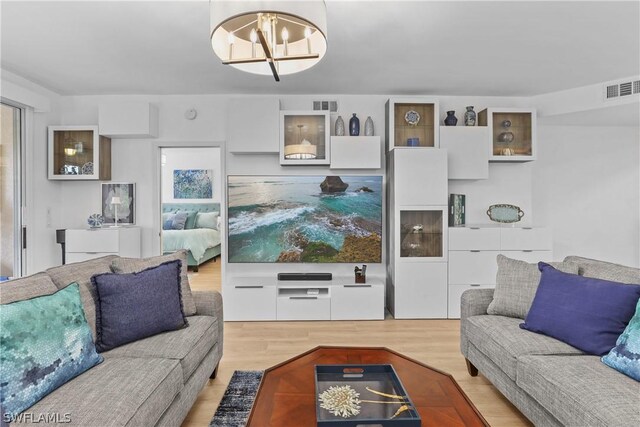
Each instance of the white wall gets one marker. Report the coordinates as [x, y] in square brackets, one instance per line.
[586, 188]
[537, 187]
[207, 158]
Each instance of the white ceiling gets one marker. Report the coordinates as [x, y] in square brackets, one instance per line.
[512, 48]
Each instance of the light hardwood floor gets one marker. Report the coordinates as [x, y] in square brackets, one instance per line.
[259, 345]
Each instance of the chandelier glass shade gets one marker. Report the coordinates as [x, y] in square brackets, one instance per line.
[269, 37]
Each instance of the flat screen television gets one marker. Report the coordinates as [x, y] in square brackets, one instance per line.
[304, 219]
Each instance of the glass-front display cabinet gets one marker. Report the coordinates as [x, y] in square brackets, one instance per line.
[78, 153]
[412, 122]
[422, 234]
[512, 132]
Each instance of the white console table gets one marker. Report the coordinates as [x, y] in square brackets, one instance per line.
[473, 251]
[266, 298]
[84, 244]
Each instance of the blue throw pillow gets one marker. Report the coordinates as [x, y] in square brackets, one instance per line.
[175, 221]
[44, 342]
[133, 306]
[584, 312]
[190, 222]
[625, 356]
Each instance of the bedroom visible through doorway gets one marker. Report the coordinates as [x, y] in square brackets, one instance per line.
[191, 197]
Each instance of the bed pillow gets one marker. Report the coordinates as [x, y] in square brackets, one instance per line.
[587, 313]
[133, 265]
[191, 220]
[207, 220]
[138, 305]
[44, 342]
[516, 285]
[175, 221]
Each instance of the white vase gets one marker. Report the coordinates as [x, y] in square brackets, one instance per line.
[339, 126]
[368, 127]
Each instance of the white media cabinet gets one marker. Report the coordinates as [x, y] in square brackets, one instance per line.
[473, 250]
[261, 298]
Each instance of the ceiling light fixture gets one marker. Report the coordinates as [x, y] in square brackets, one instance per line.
[269, 37]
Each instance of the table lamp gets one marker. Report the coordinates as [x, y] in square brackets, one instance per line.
[115, 202]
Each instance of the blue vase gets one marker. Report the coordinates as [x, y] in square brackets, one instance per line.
[354, 126]
[451, 119]
[470, 117]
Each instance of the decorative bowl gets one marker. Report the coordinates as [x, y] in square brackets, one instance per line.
[412, 117]
[505, 213]
[87, 168]
[95, 220]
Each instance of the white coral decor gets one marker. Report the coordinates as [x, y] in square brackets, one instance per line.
[340, 401]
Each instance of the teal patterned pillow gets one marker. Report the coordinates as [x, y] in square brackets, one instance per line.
[44, 342]
[625, 356]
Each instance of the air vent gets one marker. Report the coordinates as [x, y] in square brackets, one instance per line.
[331, 106]
[625, 89]
[621, 89]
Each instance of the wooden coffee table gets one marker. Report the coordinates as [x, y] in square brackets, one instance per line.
[286, 397]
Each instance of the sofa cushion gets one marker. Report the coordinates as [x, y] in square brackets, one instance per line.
[138, 305]
[134, 265]
[44, 342]
[118, 392]
[605, 270]
[587, 313]
[581, 390]
[28, 287]
[625, 356]
[188, 345]
[501, 339]
[81, 273]
[516, 285]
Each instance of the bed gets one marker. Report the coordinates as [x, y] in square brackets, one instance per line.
[202, 244]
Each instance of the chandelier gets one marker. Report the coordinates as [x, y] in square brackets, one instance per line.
[269, 37]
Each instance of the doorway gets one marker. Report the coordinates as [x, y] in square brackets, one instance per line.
[191, 200]
[12, 244]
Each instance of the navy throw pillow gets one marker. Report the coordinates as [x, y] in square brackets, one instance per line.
[133, 306]
[584, 312]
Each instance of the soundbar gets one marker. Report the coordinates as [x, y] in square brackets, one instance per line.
[305, 276]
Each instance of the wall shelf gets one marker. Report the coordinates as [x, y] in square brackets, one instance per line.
[467, 151]
[78, 153]
[355, 152]
[512, 133]
[399, 131]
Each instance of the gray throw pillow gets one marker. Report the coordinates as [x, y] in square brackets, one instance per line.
[516, 286]
[135, 265]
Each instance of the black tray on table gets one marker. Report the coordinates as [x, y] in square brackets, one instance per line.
[372, 383]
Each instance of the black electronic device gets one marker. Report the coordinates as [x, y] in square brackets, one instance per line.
[305, 276]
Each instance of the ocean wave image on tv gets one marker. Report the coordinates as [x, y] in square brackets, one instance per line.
[305, 219]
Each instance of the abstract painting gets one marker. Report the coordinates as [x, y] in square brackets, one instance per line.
[193, 184]
[126, 208]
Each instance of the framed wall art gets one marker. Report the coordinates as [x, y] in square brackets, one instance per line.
[120, 196]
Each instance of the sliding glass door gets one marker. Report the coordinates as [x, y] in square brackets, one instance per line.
[11, 232]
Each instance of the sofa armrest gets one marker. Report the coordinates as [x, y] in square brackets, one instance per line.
[474, 302]
[209, 303]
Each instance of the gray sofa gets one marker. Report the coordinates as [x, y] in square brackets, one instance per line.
[550, 382]
[151, 382]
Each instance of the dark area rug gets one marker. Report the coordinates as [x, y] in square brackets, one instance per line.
[236, 403]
